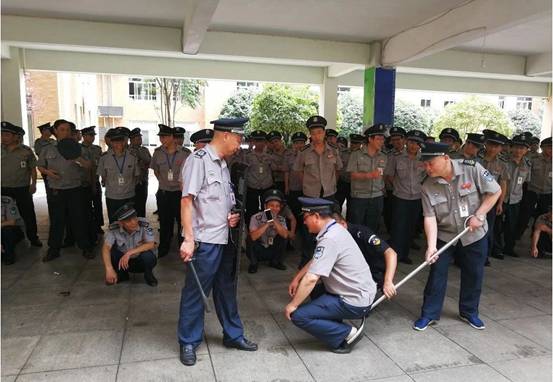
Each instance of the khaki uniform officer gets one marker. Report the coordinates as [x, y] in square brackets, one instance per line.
[44, 139]
[120, 171]
[201, 138]
[451, 138]
[19, 177]
[144, 159]
[292, 179]
[167, 163]
[455, 191]
[129, 246]
[366, 167]
[279, 154]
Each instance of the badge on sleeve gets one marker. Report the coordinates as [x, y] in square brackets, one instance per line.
[318, 252]
[489, 177]
[374, 240]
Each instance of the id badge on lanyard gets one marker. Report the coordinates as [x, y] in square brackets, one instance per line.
[463, 209]
[121, 180]
[170, 175]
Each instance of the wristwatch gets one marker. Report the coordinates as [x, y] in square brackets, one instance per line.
[480, 217]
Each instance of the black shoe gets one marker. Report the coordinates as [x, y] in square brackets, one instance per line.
[415, 246]
[88, 254]
[36, 243]
[487, 263]
[278, 266]
[406, 260]
[150, 279]
[498, 256]
[51, 255]
[252, 268]
[122, 277]
[187, 355]
[346, 348]
[243, 344]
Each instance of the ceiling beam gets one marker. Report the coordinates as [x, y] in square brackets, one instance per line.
[198, 15]
[469, 21]
[538, 65]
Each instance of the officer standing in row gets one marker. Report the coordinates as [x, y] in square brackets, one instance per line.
[397, 142]
[66, 207]
[349, 289]
[451, 138]
[455, 191]
[167, 163]
[279, 154]
[292, 179]
[19, 177]
[319, 164]
[366, 167]
[129, 246]
[207, 215]
[259, 177]
[12, 232]
[405, 172]
[119, 171]
[144, 159]
[178, 135]
[45, 138]
[343, 187]
[473, 145]
[331, 137]
[201, 138]
[89, 135]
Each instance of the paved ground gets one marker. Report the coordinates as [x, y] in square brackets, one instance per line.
[60, 323]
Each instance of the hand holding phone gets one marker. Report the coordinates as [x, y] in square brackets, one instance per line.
[268, 215]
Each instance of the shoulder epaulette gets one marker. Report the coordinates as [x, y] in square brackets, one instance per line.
[469, 162]
[502, 158]
[143, 222]
[200, 153]
[114, 226]
[305, 147]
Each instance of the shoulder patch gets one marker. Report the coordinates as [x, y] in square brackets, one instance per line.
[488, 176]
[143, 223]
[114, 226]
[200, 153]
[374, 240]
[318, 252]
[469, 162]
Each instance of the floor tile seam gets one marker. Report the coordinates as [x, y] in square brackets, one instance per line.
[389, 357]
[123, 337]
[66, 369]
[524, 336]
[458, 367]
[293, 348]
[27, 269]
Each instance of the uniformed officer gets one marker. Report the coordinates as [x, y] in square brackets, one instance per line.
[497, 166]
[107, 138]
[206, 210]
[381, 258]
[292, 179]
[343, 188]
[537, 197]
[89, 135]
[66, 207]
[144, 159]
[319, 164]
[259, 177]
[44, 139]
[451, 138]
[11, 229]
[331, 137]
[267, 237]
[342, 143]
[541, 236]
[534, 146]
[430, 139]
[178, 134]
[19, 177]
[349, 287]
[405, 171]
[120, 171]
[167, 163]
[519, 173]
[473, 145]
[278, 153]
[366, 167]
[201, 138]
[129, 246]
[455, 191]
[397, 143]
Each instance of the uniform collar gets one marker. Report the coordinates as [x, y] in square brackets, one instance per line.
[326, 228]
[457, 170]
[211, 152]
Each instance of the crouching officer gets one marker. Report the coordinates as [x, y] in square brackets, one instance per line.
[267, 239]
[454, 191]
[129, 246]
[206, 216]
[11, 229]
[347, 279]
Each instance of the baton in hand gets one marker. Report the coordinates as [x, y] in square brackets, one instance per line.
[204, 297]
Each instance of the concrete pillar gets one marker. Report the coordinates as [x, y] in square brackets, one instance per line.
[328, 103]
[547, 123]
[14, 100]
[379, 96]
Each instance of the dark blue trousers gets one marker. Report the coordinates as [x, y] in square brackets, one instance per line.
[471, 259]
[406, 214]
[491, 218]
[366, 211]
[322, 318]
[214, 264]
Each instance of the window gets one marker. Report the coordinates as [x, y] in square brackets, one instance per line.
[246, 84]
[524, 103]
[501, 102]
[448, 103]
[425, 102]
[142, 89]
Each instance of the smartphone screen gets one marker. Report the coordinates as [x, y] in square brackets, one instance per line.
[268, 215]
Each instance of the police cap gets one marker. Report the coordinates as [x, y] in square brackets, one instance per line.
[69, 148]
[357, 138]
[476, 139]
[415, 135]
[521, 140]
[88, 130]
[316, 205]
[44, 126]
[274, 135]
[299, 136]
[136, 132]
[331, 133]
[273, 194]
[119, 133]
[124, 212]
[316, 122]
[396, 131]
[495, 137]
[204, 135]
[449, 132]
[10, 128]
[342, 140]
[230, 125]
[431, 150]
[177, 131]
[258, 135]
[546, 142]
[376, 129]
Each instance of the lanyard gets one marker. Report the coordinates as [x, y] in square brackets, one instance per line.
[172, 162]
[122, 164]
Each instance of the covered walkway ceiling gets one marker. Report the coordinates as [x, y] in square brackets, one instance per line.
[304, 41]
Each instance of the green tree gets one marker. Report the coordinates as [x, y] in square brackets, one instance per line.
[283, 108]
[350, 115]
[174, 93]
[239, 105]
[409, 116]
[472, 115]
[525, 120]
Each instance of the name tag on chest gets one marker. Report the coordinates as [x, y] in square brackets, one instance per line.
[23, 164]
[463, 209]
[120, 180]
[170, 175]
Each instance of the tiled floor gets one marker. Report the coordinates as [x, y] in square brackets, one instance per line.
[60, 323]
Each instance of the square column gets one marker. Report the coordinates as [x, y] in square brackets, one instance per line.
[328, 103]
[14, 100]
[379, 96]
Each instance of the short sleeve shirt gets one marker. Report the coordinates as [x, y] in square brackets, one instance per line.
[319, 171]
[269, 235]
[69, 172]
[361, 161]
[408, 175]
[169, 167]
[540, 181]
[206, 177]
[372, 247]
[10, 211]
[259, 174]
[451, 203]
[124, 240]
[294, 177]
[17, 165]
[342, 267]
[498, 167]
[119, 173]
[518, 175]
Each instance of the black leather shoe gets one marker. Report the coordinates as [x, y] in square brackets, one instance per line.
[150, 279]
[252, 268]
[187, 355]
[243, 344]
[278, 266]
[346, 348]
[36, 243]
[50, 255]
